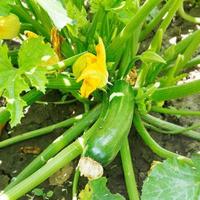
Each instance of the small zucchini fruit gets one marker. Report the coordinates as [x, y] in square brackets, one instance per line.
[107, 137]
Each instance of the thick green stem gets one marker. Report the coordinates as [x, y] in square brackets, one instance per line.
[174, 111]
[39, 14]
[157, 39]
[177, 91]
[193, 62]
[39, 132]
[156, 20]
[64, 63]
[129, 175]
[116, 46]
[188, 17]
[57, 145]
[151, 143]
[195, 126]
[172, 52]
[27, 18]
[139, 17]
[75, 184]
[53, 165]
[169, 126]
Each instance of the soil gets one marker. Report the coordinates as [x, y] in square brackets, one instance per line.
[13, 160]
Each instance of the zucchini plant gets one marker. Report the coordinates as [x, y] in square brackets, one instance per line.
[91, 51]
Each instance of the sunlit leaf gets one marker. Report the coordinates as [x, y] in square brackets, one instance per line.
[56, 12]
[173, 179]
[97, 189]
[150, 56]
[34, 55]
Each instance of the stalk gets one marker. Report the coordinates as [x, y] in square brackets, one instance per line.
[75, 184]
[136, 21]
[53, 165]
[174, 132]
[62, 82]
[172, 52]
[60, 160]
[156, 20]
[156, 43]
[58, 144]
[188, 17]
[39, 14]
[193, 62]
[151, 143]
[27, 18]
[177, 91]
[175, 111]
[39, 132]
[192, 47]
[129, 175]
[64, 63]
[139, 18]
[169, 126]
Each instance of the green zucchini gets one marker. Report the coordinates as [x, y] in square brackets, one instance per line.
[106, 141]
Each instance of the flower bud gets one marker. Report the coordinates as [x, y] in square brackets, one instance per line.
[9, 26]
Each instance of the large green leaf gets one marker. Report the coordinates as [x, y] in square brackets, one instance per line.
[97, 190]
[32, 54]
[173, 180]
[13, 81]
[56, 12]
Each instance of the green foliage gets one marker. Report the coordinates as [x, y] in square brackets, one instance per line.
[125, 11]
[107, 4]
[151, 57]
[13, 81]
[39, 192]
[120, 24]
[173, 179]
[4, 8]
[56, 12]
[97, 189]
[78, 15]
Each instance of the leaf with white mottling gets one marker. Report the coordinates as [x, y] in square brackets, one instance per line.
[34, 56]
[173, 180]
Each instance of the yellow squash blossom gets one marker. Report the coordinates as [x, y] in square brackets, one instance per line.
[92, 70]
[9, 26]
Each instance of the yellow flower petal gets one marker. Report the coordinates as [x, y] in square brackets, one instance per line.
[87, 88]
[82, 62]
[30, 34]
[101, 53]
[9, 26]
[92, 70]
